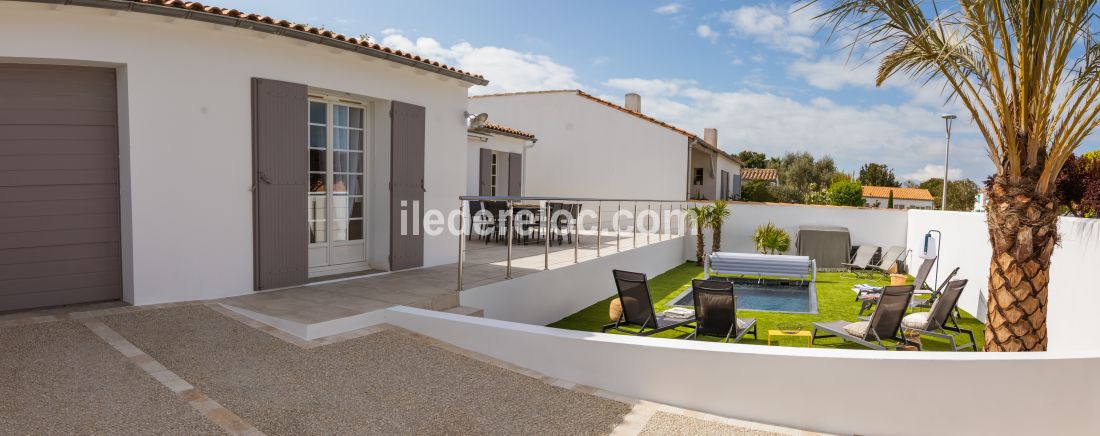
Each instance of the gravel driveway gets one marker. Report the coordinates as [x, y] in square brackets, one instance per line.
[383, 383]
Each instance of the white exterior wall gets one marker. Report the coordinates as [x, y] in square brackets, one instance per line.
[899, 203]
[588, 150]
[865, 226]
[815, 389]
[505, 144]
[186, 140]
[1073, 297]
[730, 166]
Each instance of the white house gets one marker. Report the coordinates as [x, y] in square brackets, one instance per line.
[713, 173]
[160, 151]
[495, 158]
[903, 198]
[591, 148]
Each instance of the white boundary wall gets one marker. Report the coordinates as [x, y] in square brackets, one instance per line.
[813, 389]
[548, 296]
[1074, 297]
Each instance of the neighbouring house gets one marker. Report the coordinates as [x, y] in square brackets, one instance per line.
[770, 175]
[589, 147]
[162, 150]
[979, 201]
[495, 159]
[904, 198]
[713, 174]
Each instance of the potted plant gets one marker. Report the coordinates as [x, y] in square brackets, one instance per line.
[771, 239]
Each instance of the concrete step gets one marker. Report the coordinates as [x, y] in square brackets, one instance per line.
[468, 311]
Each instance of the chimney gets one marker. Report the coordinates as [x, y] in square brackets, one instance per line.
[634, 102]
[711, 136]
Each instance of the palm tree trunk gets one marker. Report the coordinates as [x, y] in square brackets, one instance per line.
[1023, 230]
[699, 248]
[716, 238]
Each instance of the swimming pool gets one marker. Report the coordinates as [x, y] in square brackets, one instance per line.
[767, 296]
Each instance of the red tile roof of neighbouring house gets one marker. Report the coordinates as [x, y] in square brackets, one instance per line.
[497, 128]
[262, 23]
[621, 109]
[766, 174]
[899, 193]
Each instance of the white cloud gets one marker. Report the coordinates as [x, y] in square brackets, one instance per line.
[834, 73]
[669, 9]
[906, 137]
[391, 31]
[704, 31]
[929, 171]
[788, 29]
[601, 60]
[507, 70]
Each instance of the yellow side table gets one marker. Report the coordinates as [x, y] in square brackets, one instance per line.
[802, 333]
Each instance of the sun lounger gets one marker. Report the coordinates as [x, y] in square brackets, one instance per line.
[869, 297]
[861, 260]
[941, 320]
[887, 261]
[884, 324]
[637, 307]
[716, 311]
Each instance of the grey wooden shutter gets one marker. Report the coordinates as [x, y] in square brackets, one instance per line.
[406, 185]
[279, 139]
[725, 185]
[485, 176]
[736, 186]
[515, 174]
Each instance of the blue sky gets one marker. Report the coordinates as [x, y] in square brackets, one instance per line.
[759, 71]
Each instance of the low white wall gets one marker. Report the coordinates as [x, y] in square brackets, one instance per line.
[813, 389]
[1073, 297]
[866, 226]
[548, 296]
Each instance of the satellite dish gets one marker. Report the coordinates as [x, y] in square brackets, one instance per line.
[478, 120]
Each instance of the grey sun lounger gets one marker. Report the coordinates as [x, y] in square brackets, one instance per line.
[888, 259]
[870, 297]
[885, 322]
[716, 311]
[934, 293]
[861, 260]
[941, 322]
[638, 307]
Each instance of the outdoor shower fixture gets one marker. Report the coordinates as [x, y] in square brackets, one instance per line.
[930, 248]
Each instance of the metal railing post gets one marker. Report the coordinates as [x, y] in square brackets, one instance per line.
[634, 227]
[461, 239]
[648, 222]
[599, 212]
[509, 226]
[546, 237]
[576, 233]
[618, 209]
[661, 222]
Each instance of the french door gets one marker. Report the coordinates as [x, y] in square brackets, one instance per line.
[337, 187]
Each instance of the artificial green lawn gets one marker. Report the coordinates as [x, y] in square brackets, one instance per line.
[835, 301]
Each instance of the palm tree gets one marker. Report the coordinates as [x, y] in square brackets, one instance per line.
[1028, 72]
[718, 213]
[700, 215]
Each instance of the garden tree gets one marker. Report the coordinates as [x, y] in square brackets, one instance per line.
[846, 193]
[800, 169]
[1028, 74]
[815, 195]
[890, 200]
[756, 190]
[960, 193]
[786, 194]
[876, 174]
[718, 214]
[752, 159]
[700, 216]
[1078, 187]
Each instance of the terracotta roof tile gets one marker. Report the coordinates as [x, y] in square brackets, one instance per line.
[359, 44]
[766, 174]
[497, 128]
[899, 193]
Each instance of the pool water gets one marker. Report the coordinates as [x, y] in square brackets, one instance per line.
[767, 297]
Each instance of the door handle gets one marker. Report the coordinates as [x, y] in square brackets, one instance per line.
[263, 177]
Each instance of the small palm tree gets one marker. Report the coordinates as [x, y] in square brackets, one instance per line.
[1028, 73]
[718, 213]
[771, 239]
[700, 215]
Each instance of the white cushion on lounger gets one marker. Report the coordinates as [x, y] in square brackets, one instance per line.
[857, 329]
[742, 323]
[918, 320]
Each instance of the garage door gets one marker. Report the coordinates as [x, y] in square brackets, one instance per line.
[59, 196]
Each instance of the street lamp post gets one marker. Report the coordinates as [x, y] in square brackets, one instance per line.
[946, 158]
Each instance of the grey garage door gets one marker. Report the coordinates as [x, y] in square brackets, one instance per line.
[59, 192]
